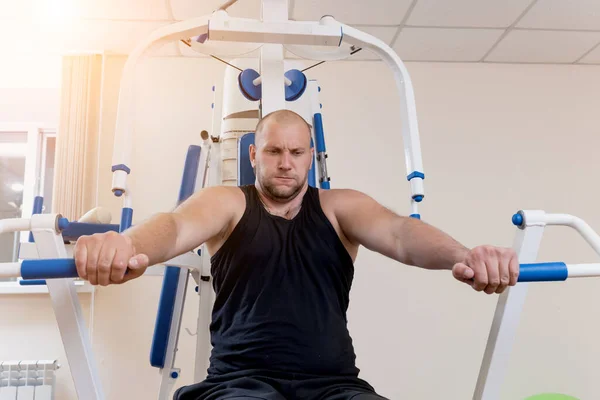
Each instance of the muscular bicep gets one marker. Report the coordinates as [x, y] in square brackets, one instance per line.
[366, 222]
[205, 215]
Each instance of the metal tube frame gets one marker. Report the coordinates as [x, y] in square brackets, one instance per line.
[68, 312]
[274, 32]
[510, 303]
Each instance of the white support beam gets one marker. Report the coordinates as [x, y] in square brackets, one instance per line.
[271, 60]
[408, 108]
[272, 73]
[242, 30]
[506, 321]
[67, 309]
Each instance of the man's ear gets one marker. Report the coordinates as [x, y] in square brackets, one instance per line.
[252, 152]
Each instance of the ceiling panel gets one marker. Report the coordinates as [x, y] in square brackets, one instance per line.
[15, 9]
[563, 14]
[118, 25]
[467, 13]
[183, 9]
[93, 35]
[111, 9]
[123, 9]
[374, 12]
[83, 35]
[445, 44]
[593, 57]
[544, 46]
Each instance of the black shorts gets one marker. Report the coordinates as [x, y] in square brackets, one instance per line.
[269, 386]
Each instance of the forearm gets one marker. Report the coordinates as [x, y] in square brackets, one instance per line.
[155, 237]
[425, 246]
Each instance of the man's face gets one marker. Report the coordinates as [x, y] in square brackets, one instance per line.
[281, 158]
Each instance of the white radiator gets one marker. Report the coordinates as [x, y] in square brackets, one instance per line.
[27, 380]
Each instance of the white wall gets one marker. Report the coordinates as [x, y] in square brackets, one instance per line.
[481, 129]
[495, 139]
[29, 88]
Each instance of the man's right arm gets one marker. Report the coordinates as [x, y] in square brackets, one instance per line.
[200, 218]
[103, 259]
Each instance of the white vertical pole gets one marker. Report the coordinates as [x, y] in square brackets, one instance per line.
[315, 105]
[271, 60]
[69, 315]
[506, 321]
[31, 177]
[204, 287]
[203, 321]
[42, 166]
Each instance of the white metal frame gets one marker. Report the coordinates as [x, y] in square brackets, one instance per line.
[510, 303]
[45, 134]
[275, 32]
[68, 312]
[272, 34]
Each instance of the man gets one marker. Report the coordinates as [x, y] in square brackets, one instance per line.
[282, 266]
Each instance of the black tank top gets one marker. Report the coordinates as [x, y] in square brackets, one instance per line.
[282, 291]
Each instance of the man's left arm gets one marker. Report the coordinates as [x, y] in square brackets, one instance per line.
[413, 242]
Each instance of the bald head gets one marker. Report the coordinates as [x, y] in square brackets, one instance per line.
[285, 118]
[281, 155]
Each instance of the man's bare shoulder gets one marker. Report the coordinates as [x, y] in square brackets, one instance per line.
[223, 192]
[336, 198]
[346, 205]
[223, 189]
[338, 203]
[220, 199]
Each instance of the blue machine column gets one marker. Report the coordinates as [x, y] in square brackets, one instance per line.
[164, 316]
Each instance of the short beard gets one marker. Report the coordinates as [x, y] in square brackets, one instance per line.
[278, 194]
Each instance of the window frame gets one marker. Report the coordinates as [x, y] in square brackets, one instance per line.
[37, 139]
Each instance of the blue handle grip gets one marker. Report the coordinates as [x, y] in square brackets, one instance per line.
[543, 272]
[49, 268]
[319, 135]
[32, 282]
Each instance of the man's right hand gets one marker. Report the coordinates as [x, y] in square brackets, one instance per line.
[108, 258]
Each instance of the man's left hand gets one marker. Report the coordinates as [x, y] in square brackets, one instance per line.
[489, 269]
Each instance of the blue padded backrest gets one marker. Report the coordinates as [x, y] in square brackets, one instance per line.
[246, 173]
